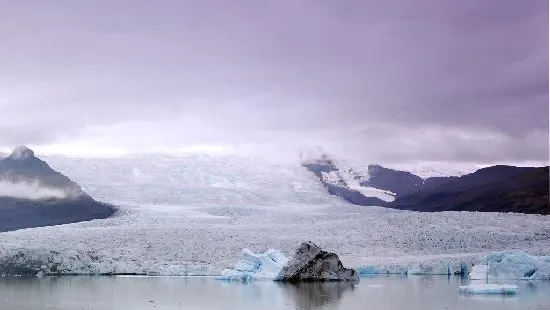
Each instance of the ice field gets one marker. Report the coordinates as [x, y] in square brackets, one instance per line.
[195, 214]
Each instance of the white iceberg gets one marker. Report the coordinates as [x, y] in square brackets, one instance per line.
[479, 272]
[502, 289]
[517, 265]
[252, 266]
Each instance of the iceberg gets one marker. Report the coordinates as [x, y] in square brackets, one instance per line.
[519, 265]
[252, 266]
[479, 272]
[310, 263]
[502, 289]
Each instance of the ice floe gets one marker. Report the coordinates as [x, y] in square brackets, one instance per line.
[502, 289]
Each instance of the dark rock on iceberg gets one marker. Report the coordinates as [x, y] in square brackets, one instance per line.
[310, 263]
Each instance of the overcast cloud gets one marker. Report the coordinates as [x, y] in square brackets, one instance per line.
[434, 80]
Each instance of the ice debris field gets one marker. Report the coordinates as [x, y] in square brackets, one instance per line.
[193, 216]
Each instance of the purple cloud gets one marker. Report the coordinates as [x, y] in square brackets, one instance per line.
[253, 71]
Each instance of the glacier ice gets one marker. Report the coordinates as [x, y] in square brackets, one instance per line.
[252, 266]
[517, 265]
[193, 215]
[502, 289]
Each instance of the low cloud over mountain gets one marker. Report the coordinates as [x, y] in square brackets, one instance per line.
[29, 190]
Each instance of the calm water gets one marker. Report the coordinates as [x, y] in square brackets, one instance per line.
[138, 293]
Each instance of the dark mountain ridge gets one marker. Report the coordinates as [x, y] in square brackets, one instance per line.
[36, 195]
[493, 189]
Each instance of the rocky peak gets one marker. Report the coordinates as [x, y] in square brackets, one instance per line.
[21, 153]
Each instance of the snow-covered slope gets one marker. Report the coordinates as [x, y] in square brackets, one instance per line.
[193, 215]
[352, 184]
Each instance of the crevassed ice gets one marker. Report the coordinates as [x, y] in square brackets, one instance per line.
[194, 180]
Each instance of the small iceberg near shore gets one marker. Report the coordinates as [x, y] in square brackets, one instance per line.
[494, 289]
[310, 263]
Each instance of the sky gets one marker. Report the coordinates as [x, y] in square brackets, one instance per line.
[371, 80]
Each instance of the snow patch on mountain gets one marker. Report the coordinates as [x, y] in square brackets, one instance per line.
[353, 181]
[21, 153]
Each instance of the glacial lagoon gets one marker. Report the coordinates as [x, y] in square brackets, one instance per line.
[144, 293]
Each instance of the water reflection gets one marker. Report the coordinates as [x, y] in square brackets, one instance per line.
[151, 293]
[315, 295]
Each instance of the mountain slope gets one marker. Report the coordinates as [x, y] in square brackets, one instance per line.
[348, 184]
[32, 195]
[492, 189]
[399, 182]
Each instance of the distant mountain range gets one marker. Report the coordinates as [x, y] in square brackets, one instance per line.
[492, 189]
[32, 195]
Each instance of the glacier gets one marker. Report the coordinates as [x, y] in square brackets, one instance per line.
[192, 215]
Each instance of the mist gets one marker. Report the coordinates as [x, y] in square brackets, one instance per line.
[29, 190]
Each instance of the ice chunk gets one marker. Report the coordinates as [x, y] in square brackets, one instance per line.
[479, 272]
[518, 265]
[503, 289]
[252, 266]
[441, 269]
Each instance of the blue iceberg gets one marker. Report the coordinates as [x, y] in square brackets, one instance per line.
[512, 266]
[252, 266]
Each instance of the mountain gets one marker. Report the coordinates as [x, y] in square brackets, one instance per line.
[32, 194]
[352, 185]
[401, 183]
[493, 189]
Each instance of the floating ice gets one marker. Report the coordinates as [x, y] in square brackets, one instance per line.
[479, 272]
[517, 265]
[502, 289]
[264, 266]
